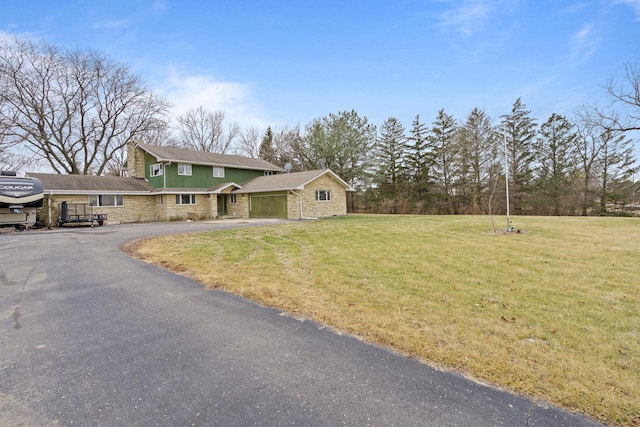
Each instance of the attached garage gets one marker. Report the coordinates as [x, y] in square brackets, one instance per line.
[273, 205]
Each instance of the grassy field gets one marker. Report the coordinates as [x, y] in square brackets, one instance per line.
[552, 312]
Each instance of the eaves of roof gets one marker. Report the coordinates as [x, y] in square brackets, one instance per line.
[181, 190]
[181, 155]
[285, 182]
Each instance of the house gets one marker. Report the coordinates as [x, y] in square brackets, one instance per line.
[168, 183]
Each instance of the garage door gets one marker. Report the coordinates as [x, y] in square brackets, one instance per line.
[268, 206]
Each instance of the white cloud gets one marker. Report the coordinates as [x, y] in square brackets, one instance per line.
[583, 44]
[633, 4]
[235, 99]
[159, 6]
[112, 24]
[468, 17]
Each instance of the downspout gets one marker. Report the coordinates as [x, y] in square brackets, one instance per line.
[49, 206]
[164, 174]
[300, 198]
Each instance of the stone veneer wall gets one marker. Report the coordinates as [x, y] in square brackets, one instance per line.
[205, 208]
[313, 209]
[239, 209]
[135, 161]
[135, 209]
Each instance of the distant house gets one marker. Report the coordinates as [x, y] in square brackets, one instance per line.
[166, 183]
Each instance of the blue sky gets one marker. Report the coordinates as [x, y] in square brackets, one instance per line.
[287, 62]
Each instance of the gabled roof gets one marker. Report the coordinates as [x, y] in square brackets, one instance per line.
[217, 189]
[90, 184]
[287, 181]
[182, 155]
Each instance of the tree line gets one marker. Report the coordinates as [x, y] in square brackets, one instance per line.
[77, 111]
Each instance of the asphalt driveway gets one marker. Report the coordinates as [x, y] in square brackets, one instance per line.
[91, 337]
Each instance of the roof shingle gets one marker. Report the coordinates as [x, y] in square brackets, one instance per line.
[286, 181]
[91, 183]
[172, 154]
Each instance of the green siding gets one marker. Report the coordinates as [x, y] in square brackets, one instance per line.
[201, 176]
[156, 181]
[239, 175]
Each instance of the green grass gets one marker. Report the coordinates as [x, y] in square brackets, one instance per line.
[553, 312]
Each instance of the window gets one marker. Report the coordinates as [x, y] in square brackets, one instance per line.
[323, 195]
[155, 170]
[185, 199]
[268, 173]
[232, 198]
[106, 200]
[184, 169]
[218, 172]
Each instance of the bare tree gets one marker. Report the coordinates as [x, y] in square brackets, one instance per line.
[249, 143]
[605, 155]
[625, 96]
[72, 109]
[285, 142]
[202, 130]
[160, 135]
[588, 145]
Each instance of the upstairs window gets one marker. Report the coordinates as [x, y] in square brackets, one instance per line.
[184, 169]
[218, 172]
[155, 170]
[323, 196]
[185, 199]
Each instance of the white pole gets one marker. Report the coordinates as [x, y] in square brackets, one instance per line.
[506, 175]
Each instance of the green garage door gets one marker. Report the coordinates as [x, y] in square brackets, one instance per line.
[268, 206]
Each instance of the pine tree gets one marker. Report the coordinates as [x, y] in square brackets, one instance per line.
[478, 140]
[390, 154]
[443, 137]
[420, 159]
[520, 130]
[267, 150]
[556, 161]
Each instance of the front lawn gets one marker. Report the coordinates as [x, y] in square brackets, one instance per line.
[552, 312]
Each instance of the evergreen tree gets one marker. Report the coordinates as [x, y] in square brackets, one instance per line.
[342, 142]
[520, 130]
[555, 163]
[443, 137]
[267, 150]
[420, 159]
[390, 154]
[478, 152]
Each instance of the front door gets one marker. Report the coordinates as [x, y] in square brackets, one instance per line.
[222, 204]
